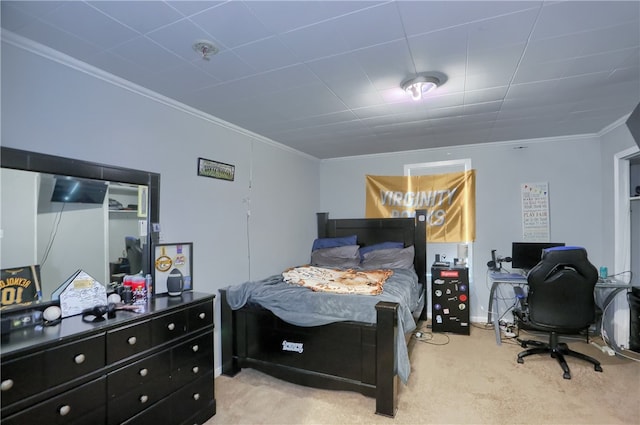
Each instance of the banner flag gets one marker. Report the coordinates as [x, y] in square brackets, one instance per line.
[450, 201]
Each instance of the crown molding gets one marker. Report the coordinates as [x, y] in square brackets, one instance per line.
[78, 65]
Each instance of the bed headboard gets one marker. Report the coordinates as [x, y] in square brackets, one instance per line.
[410, 231]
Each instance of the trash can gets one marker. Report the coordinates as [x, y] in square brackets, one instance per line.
[634, 331]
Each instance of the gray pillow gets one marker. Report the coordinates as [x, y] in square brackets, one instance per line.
[391, 258]
[341, 256]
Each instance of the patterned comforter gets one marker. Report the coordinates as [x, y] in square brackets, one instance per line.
[349, 281]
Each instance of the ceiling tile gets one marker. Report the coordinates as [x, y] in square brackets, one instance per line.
[140, 16]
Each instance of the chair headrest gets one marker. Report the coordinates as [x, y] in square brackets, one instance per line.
[574, 257]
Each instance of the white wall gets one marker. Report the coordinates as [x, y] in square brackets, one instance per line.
[572, 166]
[52, 108]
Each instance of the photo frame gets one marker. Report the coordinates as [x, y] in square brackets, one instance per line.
[215, 169]
[172, 259]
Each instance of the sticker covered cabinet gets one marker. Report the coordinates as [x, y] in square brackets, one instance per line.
[143, 368]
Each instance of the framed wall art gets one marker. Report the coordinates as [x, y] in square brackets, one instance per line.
[172, 268]
[215, 169]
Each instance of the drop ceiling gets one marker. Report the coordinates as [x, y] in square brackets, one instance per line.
[323, 77]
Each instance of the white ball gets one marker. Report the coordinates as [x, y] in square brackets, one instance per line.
[52, 313]
[114, 298]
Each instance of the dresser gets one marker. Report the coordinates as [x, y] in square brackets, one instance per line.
[154, 367]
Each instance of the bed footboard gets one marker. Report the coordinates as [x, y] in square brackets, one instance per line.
[339, 356]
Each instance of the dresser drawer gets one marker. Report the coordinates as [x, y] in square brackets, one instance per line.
[158, 414]
[127, 341]
[70, 361]
[192, 398]
[184, 353]
[192, 370]
[70, 407]
[200, 316]
[22, 378]
[138, 373]
[138, 399]
[167, 327]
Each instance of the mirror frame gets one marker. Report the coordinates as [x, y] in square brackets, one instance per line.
[44, 163]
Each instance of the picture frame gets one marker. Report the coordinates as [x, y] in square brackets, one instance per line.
[215, 169]
[172, 258]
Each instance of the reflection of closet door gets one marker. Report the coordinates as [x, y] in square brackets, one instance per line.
[635, 236]
[122, 222]
[18, 218]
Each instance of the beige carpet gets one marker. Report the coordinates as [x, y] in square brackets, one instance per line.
[469, 380]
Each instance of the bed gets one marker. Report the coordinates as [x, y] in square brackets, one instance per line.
[354, 355]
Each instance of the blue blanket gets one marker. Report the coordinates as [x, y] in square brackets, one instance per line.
[302, 307]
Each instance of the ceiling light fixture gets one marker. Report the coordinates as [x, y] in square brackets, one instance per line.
[418, 86]
[205, 48]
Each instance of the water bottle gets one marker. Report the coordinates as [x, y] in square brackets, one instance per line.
[149, 284]
[604, 272]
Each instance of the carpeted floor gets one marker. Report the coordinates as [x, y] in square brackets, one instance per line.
[455, 379]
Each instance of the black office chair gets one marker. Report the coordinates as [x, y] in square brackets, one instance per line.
[560, 300]
[134, 254]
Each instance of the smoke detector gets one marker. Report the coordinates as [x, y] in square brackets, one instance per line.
[205, 48]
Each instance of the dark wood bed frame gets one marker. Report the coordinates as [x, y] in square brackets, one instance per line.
[351, 356]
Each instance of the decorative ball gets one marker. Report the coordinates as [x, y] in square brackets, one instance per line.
[175, 283]
[52, 313]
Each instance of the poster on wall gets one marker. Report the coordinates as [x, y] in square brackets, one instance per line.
[535, 212]
[449, 200]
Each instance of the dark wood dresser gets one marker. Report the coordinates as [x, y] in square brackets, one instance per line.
[155, 367]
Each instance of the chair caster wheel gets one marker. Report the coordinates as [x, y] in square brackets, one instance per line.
[598, 368]
[520, 360]
[566, 375]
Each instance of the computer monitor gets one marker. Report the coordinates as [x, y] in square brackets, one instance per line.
[525, 255]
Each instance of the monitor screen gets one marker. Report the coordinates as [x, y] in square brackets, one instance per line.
[525, 255]
[69, 189]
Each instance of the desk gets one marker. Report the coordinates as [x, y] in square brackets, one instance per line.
[497, 279]
[612, 287]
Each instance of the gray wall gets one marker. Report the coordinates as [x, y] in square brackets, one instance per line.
[572, 166]
[53, 108]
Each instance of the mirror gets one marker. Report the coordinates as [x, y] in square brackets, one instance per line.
[64, 214]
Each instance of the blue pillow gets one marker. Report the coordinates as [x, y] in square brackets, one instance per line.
[322, 243]
[378, 246]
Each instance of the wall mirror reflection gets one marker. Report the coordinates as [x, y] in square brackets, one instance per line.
[62, 222]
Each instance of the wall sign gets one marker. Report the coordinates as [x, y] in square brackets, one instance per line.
[535, 212]
[215, 169]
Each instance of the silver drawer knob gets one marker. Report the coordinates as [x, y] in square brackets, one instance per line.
[144, 398]
[195, 348]
[171, 326]
[132, 340]
[195, 369]
[143, 372]
[202, 315]
[64, 410]
[196, 396]
[79, 359]
[6, 385]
